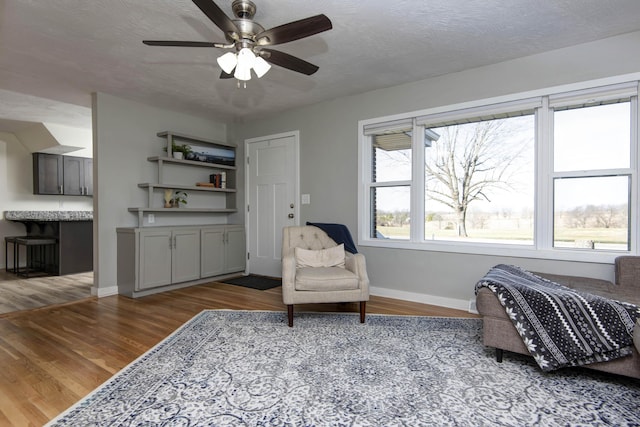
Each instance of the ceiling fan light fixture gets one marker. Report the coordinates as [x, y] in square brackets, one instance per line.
[260, 66]
[228, 62]
[246, 59]
[243, 74]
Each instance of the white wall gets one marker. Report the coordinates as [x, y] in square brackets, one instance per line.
[124, 136]
[16, 189]
[79, 140]
[329, 145]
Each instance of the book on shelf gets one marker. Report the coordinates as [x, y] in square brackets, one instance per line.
[219, 180]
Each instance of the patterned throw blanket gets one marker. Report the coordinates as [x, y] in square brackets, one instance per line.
[561, 326]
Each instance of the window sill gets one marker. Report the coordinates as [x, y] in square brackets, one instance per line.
[517, 251]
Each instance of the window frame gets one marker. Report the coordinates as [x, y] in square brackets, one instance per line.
[606, 89]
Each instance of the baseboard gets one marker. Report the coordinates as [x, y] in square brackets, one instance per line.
[104, 292]
[383, 292]
[472, 306]
[421, 298]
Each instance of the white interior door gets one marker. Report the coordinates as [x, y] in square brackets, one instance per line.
[272, 188]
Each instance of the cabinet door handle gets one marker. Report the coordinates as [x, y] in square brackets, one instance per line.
[60, 191]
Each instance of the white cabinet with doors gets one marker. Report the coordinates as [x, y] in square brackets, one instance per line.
[155, 259]
[222, 250]
[169, 256]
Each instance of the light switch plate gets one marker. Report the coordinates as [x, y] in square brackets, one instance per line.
[306, 199]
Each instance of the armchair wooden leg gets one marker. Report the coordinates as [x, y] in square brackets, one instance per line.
[290, 314]
[363, 308]
[499, 353]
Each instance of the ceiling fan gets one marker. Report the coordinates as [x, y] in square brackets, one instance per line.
[247, 38]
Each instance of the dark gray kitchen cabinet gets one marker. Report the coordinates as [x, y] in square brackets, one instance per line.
[63, 175]
[47, 173]
[78, 176]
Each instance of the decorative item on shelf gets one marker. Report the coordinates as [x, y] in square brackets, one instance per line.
[168, 200]
[208, 154]
[180, 151]
[219, 180]
[178, 198]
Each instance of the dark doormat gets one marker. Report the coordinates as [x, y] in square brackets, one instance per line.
[253, 281]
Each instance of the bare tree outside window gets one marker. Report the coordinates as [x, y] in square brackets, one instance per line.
[475, 162]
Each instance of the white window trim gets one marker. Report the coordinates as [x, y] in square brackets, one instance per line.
[543, 236]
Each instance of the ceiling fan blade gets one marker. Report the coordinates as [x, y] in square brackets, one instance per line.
[294, 30]
[218, 17]
[290, 62]
[224, 75]
[180, 43]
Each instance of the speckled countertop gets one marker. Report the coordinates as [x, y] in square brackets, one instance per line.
[48, 215]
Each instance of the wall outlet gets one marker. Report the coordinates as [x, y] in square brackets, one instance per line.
[152, 218]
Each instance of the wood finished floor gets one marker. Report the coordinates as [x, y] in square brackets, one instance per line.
[52, 357]
[19, 293]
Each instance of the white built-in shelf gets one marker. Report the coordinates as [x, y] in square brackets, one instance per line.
[142, 211]
[161, 159]
[188, 138]
[183, 210]
[228, 193]
[151, 186]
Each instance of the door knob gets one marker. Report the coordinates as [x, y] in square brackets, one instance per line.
[290, 215]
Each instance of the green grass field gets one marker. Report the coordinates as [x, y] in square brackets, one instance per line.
[617, 236]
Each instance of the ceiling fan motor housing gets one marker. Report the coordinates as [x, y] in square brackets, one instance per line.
[243, 9]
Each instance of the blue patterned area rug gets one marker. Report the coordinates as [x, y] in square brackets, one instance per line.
[239, 368]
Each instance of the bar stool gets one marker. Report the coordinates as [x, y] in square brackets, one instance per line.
[12, 240]
[35, 245]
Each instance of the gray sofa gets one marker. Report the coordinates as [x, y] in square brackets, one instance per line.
[499, 332]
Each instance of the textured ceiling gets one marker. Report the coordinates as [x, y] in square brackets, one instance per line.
[63, 50]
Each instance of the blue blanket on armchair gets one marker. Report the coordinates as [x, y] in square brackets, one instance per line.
[339, 233]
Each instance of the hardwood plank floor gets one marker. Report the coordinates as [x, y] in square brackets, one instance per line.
[51, 357]
[19, 293]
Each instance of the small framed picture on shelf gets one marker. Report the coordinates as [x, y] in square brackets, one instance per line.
[218, 155]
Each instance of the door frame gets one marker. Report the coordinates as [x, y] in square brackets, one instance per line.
[296, 191]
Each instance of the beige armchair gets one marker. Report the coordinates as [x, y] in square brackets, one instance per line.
[303, 284]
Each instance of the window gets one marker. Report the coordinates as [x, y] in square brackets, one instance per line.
[591, 212]
[554, 174]
[479, 181]
[592, 175]
[391, 174]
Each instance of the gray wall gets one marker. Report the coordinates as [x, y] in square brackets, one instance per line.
[124, 136]
[329, 145]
